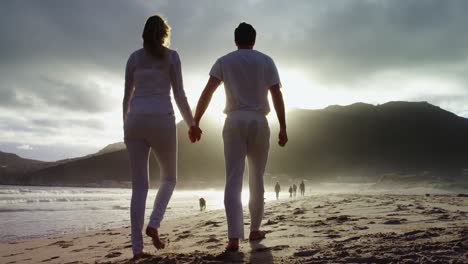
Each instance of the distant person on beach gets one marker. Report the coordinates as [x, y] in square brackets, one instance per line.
[149, 125]
[290, 191]
[302, 188]
[248, 75]
[294, 190]
[202, 203]
[277, 190]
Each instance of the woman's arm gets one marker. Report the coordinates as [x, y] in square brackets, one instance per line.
[178, 90]
[129, 86]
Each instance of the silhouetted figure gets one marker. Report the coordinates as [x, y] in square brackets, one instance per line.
[294, 189]
[248, 76]
[302, 188]
[202, 204]
[277, 190]
[290, 191]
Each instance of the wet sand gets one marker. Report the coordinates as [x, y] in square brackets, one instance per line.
[336, 228]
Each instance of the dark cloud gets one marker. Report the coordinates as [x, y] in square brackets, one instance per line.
[48, 126]
[42, 92]
[336, 39]
[59, 93]
[355, 39]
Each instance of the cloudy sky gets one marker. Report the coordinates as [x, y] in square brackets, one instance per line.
[62, 62]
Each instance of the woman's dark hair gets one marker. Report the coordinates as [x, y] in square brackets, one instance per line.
[156, 36]
[245, 34]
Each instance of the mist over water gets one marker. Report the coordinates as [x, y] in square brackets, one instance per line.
[28, 211]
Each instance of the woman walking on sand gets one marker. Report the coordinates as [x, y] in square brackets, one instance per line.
[149, 124]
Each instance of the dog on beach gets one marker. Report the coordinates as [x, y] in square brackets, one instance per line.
[202, 204]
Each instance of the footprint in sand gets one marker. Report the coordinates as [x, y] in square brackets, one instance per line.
[298, 211]
[212, 223]
[444, 217]
[360, 227]
[214, 246]
[351, 239]
[339, 219]
[183, 235]
[78, 249]
[62, 244]
[392, 222]
[280, 217]
[14, 254]
[306, 253]
[435, 210]
[297, 235]
[49, 259]
[113, 254]
[210, 240]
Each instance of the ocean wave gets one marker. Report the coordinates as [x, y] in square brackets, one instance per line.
[62, 191]
[120, 207]
[9, 200]
[58, 209]
[15, 210]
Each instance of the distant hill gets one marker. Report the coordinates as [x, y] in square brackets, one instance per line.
[13, 166]
[358, 142]
[111, 148]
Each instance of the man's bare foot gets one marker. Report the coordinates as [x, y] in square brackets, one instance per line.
[153, 233]
[256, 235]
[141, 255]
[233, 244]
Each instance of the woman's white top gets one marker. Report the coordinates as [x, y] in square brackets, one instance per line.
[151, 80]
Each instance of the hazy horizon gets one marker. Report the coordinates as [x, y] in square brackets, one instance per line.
[61, 78]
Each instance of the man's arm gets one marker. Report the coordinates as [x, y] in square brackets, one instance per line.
[205, 98]
[278, 103]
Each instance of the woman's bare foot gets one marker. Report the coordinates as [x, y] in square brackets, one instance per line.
[256, 235]
[233, 244]
[153, 233]
[141, 255]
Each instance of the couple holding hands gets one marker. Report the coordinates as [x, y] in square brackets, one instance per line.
[149, 124]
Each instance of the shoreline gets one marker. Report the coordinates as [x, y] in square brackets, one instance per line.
[336, 228]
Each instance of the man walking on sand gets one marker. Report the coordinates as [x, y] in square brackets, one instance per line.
[302, 188]
[277, 190]
[247, 75]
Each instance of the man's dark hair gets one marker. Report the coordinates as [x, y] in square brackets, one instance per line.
[245, 34]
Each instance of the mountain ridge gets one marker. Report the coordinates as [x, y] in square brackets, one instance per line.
[360, 141]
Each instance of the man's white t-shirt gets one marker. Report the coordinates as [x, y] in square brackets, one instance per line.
[247, 75]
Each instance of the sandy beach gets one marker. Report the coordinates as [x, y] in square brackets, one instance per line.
[337, 228]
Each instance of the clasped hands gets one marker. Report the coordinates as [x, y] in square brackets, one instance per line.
[194, 133]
